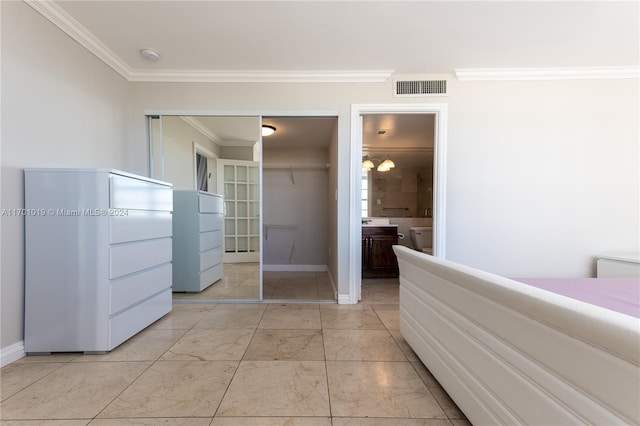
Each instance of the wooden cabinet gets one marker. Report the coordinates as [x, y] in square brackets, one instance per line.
[97, 257]
[197, 240]
[378, 259]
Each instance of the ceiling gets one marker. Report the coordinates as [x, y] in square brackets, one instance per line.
[347, 41]
[403, 37]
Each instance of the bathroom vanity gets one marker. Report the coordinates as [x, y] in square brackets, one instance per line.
[378, 258]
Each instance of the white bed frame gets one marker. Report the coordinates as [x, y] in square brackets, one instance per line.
[508, 353]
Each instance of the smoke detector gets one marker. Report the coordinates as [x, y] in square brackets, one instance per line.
[149, 54]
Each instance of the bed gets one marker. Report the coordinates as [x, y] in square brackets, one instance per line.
[512, 353]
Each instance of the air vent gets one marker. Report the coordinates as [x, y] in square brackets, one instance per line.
[420, 87]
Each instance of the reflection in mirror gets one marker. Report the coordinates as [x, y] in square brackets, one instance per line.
[401, 195]
[216, 237]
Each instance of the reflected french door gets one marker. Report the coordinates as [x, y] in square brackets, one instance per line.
[239, 182]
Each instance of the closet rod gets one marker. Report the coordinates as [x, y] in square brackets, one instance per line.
[295, 166]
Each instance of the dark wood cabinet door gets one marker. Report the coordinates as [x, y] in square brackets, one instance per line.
[378, 258]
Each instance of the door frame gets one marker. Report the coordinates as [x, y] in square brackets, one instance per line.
[355, 184]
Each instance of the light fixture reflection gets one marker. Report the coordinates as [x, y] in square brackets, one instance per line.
[367, 165]
[384, 166]
[268, 130]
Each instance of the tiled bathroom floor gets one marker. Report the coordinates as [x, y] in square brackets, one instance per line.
[240, 364]
[303, 286]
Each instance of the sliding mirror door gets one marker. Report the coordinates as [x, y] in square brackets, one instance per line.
[217, 238]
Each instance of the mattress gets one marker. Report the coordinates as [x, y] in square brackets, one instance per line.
[616, 294]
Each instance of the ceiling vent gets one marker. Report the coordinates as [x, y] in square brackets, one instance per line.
[420, 87]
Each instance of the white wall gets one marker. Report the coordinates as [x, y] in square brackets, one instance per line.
[177, 142]
[61, 107]
[542, 176]
[300, 204]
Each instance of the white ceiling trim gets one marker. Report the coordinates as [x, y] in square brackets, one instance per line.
[69, 25]
[193, 122]
[58, 17]
[258, 76]
[502, 74]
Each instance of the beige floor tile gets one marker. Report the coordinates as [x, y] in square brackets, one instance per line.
[174, 389]
[182, 317]
[379, 389]
[359, 421]
[450, 408]
[148, 345]
[235, 306]
[425, 375]
[296, 293]
[390, 318]
[381, 293]
[45, 422]
[457, 422]
[404, 346]
[351, 319]
[17, 376]
[291, 316]
[230, 319]
[361, 345]
[271, 421]
[171, 421]
[54, 357]
[73, 391]
[210, 345]
[300, 345]
[277, 388]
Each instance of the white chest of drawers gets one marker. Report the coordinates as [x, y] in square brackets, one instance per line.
[618, 265]
[197, 240]
[97, 257]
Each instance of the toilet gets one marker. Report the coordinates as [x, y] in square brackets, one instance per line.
[422, 238]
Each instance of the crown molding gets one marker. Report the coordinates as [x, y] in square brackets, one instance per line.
[260, 76]
[196, 124]
[61, 19]
[74, 29]
[506, 74]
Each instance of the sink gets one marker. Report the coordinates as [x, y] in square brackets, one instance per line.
[376, 221]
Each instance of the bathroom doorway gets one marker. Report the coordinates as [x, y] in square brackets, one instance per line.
[389, 201]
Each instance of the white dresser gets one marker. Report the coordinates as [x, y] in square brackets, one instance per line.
[97, 257]
[618, 265]
[197, 240]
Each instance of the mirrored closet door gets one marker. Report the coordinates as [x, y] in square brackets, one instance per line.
[213, 163]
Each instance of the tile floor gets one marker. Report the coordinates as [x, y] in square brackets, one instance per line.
[303, 286]
[240, 364]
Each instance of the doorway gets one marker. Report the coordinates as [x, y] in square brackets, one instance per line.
[297, 215]
[437, 212]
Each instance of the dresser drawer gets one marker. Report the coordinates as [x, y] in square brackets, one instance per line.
[209, 203]
[210, 258]
[136, 194]
[129, 322]
[210, 222]
[128, 258]
[209, 240]
[131, 289]
[211, 275]
[139, 225]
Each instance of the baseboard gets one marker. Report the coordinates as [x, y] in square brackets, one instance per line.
[333, 285]
[345, 299]
[294, 268]
[11, 353]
